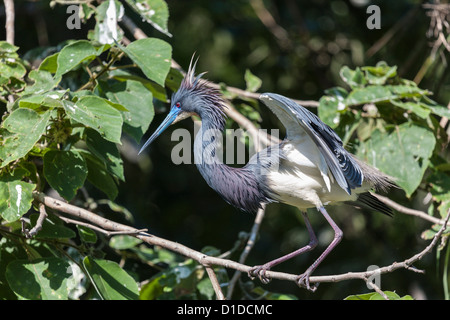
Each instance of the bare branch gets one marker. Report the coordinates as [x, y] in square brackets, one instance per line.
[9, 25]
[269, 22]
[215, 283]
[208, 261]
[250, 243]
[42, 216]
[81, 213]
[405, 210]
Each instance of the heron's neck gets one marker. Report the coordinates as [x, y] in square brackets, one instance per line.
[238, 186]
[206, 148]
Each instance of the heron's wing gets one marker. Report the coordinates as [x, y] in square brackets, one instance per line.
[297, 120]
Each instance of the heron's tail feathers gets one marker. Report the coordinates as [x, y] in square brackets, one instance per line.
[378, 180]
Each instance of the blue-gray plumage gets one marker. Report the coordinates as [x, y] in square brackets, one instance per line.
[309, 168]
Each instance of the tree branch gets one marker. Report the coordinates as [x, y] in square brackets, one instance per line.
[209, 261]
[9, 25]
[408, 211]
[42, 216]
[250, 243]
[215, 283]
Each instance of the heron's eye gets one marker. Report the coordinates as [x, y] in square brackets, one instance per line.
[178, 105]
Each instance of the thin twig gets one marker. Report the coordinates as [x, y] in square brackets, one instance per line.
[93, 227]
[399, 25]
[405, 210]
[81, 213]
[215, 283]
[42, 216]
[267, 19]
[209, 261]
[9, 25]
[249, 246]
[377, 289]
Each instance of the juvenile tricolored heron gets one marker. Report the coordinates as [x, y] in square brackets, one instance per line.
[309, 169]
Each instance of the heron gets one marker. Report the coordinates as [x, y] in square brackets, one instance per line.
[310, 168]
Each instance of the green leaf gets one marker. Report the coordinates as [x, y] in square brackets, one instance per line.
[430, 233]
[154, 12]
[99, 177]
[110, 280]
[354, 78]
[6, 47]
[378, 93]
[49, 99]
[15, 197]
[94, 112]
[41, 279]
[158, 91]
[134, 96]
[408, 145]
[24, 128]
[52, 229]
[206, 289]
[117, 208]
[370, 94]
[272, 295]
[440, 186]
[74, 54]
[50, 63]
[380, 73]
[86, 234]
[415, 108]
[329, 106]
[106, 151]
[435, 108]
[122, 242]
[252, 82]
[153, 56]
[151, 290]
[407, 91]
[376, 296]
[43, 82]
[12, 69]
[65, 171]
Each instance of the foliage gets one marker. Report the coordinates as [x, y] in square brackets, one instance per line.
[66, 120]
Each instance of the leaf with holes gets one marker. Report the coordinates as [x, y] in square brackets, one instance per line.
[409, 147]
[153, 56]
[21, 130]
[154, 12]
[15, 198]
[41, 279]
[73, 55]
[65, 171]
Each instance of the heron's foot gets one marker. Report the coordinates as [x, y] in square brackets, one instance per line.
[303, 281]
[260, 272]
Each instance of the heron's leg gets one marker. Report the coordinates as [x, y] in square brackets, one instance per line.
[260, 271]
[303, 279]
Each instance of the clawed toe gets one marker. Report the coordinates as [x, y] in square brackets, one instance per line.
[303, 281]
[260, 272]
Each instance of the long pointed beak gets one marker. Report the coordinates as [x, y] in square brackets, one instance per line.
[163, 126]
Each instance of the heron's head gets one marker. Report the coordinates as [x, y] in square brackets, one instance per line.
[194, 97]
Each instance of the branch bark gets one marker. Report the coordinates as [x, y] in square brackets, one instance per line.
[10, 16]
